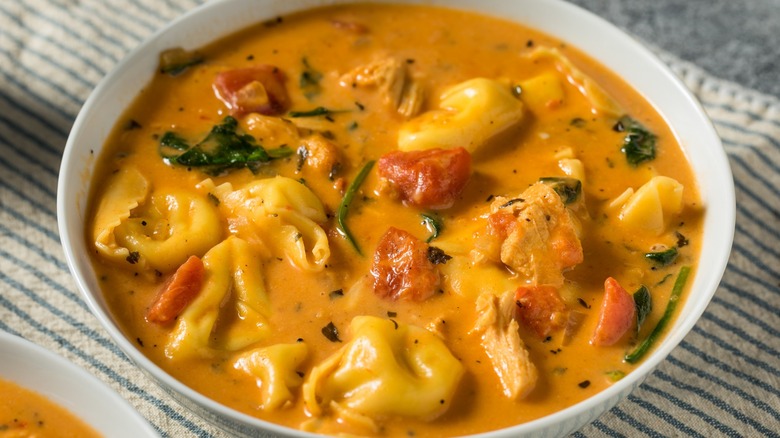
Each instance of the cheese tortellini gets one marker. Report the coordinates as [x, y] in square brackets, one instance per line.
[653, 205]
[386, 369]
[276, 370]
[470, 114]
[280, 216]
[601, 102]
[163, 228]
[231, 311]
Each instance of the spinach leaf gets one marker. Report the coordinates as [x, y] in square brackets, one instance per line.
[433, 224]
[319, 111]
[644, 305]
[639, 143]
[346, 201]
[177, 60]
[309, 80]
[569, 189]
[223, 148]
[663, 258]
[677, 289]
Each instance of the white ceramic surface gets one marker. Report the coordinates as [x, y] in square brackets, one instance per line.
[594, 36]
[61, 381]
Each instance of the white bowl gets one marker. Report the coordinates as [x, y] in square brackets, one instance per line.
[599, 39]
[65, 384]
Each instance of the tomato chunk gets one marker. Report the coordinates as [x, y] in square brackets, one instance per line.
[401, 268]
[431, 178]
[178, 292]
[617, 314]
[254, 89]
[541, 309]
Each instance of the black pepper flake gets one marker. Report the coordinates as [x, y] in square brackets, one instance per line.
[133, 257]
[511, 202]
[618, 127]
[338, 293]
[143, 223]
[410, 61]
[360, 106]
[132, 124]
[584, 384]
[437, 256]
[299, 340]
[250, 57]
[441, 401]
[681, 239]
[394, 323]
[529, 43]
[275, 22]
[213, 198]
[391, 314]
[489, 198]
[547, 339]
[519, 304]
[583, 303]
[331, 332]
[140, 341]
[300, 374]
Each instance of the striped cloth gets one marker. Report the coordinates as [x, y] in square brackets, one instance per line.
[723, 380]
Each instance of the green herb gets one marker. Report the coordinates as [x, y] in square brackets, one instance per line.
[643, 302]
[341, 214]
[434, 226]
[642, 348]
[663, 258]
[223, 148]
[338, 293]
[177, 60]
[615, 375]
[437, 256]
[319, 111]
[511, 202]
[331, 332]
[310, 80]
[638, 144]
[569, 189]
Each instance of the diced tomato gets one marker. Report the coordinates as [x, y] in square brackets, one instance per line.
[541, 309]
[432, 178]
[401, 268]
[178, 292]
[254, 89]
[617, 314]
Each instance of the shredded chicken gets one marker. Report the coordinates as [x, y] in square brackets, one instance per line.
[534, 235]
[322, 154]
[502, 344]
[392, 78]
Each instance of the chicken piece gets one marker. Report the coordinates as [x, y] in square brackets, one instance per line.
[502, 344]
[534, 235]
[392, 78]
[401, 268]
[321, 154]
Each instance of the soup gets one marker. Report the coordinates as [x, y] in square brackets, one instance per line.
[392, 220]
[26, 413]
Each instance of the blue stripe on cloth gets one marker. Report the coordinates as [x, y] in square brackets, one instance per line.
[633, 422]
[104, 369]
[765, 184]
[742, 130]
[12, 126]
[690, 409]
[710, 316]
[755, 117]
[748, 316]
[5, 231]
[4, 327]
[25, 220]
[90, 14]
[724, 406]
[83, 39]
[733, 388]
[663, 415]
[32, 181]
[12, 104]
[63, 113]
[760, 243]
[607, 430]
[736, 352]
[59, 88]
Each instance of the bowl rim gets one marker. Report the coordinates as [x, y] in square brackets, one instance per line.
[706, 165]
[69, 386]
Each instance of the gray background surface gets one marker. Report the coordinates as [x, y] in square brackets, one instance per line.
[736, 40]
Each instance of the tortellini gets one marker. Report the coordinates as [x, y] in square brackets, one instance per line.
[163, 228]
[125, 191]
[386, 369]
[470, 114]
[230, 312]
[280, 216]
[542, 92]
[276, 370]
[653, 205]
[600, 100]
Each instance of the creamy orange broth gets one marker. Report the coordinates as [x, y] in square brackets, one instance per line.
[27, 413]
[444, 47]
